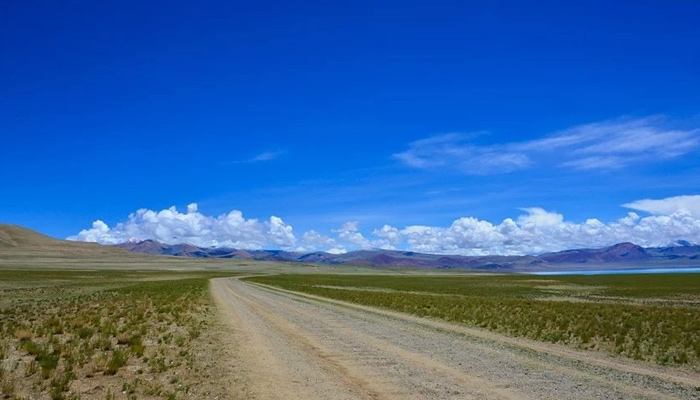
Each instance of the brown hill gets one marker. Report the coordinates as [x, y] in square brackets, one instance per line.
[17, 242]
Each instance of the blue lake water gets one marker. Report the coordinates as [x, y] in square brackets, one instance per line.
[622, 271]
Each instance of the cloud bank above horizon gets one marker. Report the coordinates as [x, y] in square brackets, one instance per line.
[534, 231]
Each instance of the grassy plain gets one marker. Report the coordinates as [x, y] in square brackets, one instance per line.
[80, 324]
[89, 322]
[655, 318]
[106, 334]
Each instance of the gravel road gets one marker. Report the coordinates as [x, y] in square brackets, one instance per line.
[294, 346]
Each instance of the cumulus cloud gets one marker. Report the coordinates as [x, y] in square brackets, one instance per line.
[598, 146]
[350, 233]
[350, 226]
[388, 236]
[312, 240]
[539, 217]
[534, 231]
[171, 226]
[98, 233]
[540, 231]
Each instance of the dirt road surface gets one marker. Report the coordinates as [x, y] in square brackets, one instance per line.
[293, 346]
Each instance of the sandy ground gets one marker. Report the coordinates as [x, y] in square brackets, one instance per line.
[285, 345]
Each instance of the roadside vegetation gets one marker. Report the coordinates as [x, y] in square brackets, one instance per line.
[654, 318]
[105, 335]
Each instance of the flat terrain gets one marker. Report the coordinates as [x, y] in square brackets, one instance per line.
[84, 322]
[109, 335]
[288, 345]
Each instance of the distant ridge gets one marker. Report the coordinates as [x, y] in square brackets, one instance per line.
[616, 253]
[614, 256]
[18, 243]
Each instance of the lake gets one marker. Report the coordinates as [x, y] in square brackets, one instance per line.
[622, 271]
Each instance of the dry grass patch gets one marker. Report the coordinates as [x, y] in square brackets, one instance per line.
[135, 338]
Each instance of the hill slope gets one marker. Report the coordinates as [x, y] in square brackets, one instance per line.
[17, 242]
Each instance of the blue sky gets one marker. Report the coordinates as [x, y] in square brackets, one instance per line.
[369, 113]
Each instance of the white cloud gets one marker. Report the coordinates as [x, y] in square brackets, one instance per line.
[391, 234]
[280, 233]
[599, 146]
[669, 205]
[314, 238]
[267, 156]
[350, 226]
[98, 233]
[350, 233]
[337, 250]
[595, 163]
[535, 231]
[538, 217]
[171, 226]
[454, 151]
[312, 241]
[389, 237]
[540, 231]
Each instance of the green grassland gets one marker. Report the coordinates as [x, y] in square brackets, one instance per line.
[91, 326]
[104, 334]
[655, 318]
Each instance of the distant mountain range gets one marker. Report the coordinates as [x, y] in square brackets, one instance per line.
[681, 253]
[18, 243]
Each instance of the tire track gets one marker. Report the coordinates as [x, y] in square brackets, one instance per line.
[298, 346]
[682, 378]
[471, 386]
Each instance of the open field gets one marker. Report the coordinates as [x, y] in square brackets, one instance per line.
[77, 323]
[162, 327]
[107, 335]
[653, 318]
